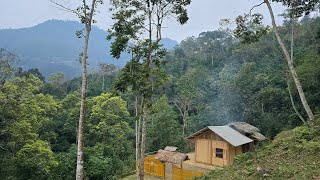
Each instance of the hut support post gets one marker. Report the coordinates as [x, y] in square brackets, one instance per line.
[181, 171]
[164, 171]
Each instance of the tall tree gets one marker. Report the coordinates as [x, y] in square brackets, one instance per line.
[111, 138]
[56, 78]
[164, 129]
[292, 22]
[129, 78]
[187, 97]
[106, 69]
[290, 64]
[85, 12]
[252, 31]
[133, 20]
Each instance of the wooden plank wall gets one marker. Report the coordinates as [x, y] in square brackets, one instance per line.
[238, 150]
[232, 153]
[205, 147]
[220, 161]
[205, 150]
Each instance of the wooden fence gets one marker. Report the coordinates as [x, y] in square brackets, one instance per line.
[154, 167]
[184, 174]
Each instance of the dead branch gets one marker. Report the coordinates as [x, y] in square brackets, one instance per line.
[62, 7]
[255, 7]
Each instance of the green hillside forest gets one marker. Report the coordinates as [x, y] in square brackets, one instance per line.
[212, 79]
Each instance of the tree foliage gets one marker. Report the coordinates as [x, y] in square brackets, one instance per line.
[164, 127]
[6, 65]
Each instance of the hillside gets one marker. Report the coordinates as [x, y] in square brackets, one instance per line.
[52, 47]
[293, 154]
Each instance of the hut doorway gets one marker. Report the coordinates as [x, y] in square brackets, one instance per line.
[203, 151]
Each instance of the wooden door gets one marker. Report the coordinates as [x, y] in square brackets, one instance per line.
[203, 151]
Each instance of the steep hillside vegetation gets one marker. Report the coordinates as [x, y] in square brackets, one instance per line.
[293, 154]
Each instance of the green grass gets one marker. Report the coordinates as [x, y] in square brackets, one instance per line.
[293, 154]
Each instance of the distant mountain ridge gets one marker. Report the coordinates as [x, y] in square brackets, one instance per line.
[52, 46]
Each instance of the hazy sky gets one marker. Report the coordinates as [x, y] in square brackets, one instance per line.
[204, 14]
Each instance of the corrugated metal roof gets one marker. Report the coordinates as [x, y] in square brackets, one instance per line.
[232, 136]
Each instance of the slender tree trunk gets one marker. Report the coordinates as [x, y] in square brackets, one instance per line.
[103, 82]
[145, 98]
[184, 119]
[79, 173]
[143, 141]
[88, 17]
[184, 125]
[212, 60]
[292, 38]
[66, 89]
[139, 146]
[290, 64]
[288, 84]
[137, 133]
[293, 105]
[182, 111]
[138, 150]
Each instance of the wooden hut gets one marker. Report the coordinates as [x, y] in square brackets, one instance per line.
[218, 145]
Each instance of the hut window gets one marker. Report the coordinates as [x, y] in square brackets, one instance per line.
[219, 153]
